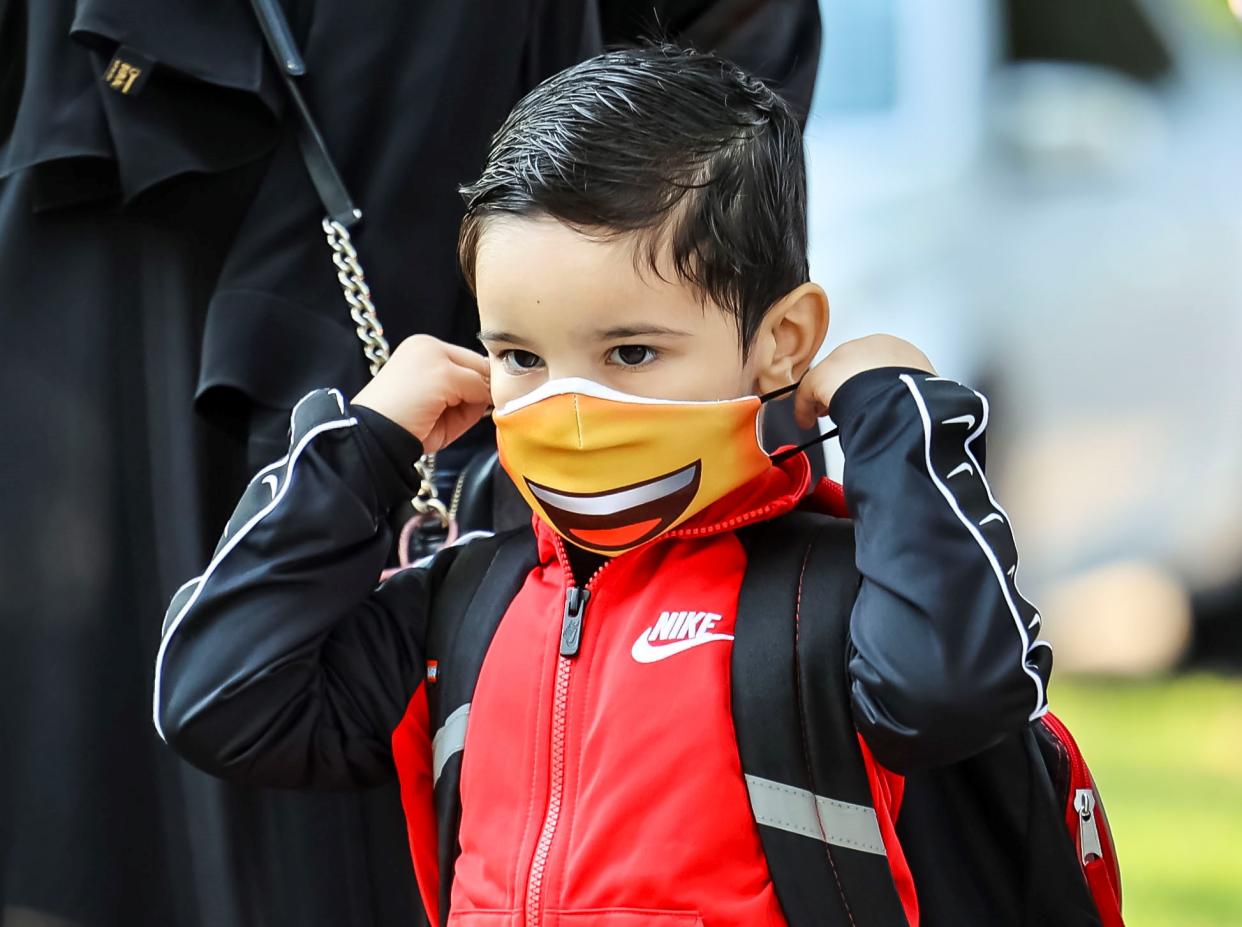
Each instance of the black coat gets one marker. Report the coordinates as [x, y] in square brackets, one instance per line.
[407, 96]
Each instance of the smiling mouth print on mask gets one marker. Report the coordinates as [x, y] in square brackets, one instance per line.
[609, 471]
[617, 519]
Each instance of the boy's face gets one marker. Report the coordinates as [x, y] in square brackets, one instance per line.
[554, 303]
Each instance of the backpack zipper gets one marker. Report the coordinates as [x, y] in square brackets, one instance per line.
[576, 599]
[1078, 766]
[1089, 848]
[1090, 844]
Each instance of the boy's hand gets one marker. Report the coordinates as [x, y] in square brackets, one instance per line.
[433, 390]
[824, 379]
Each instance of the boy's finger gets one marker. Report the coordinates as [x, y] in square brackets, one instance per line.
[466, 385]
[807, 407]
[467, 358]
[452, 424]
[460, 419]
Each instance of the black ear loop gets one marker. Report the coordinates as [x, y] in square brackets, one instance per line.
[785, 455]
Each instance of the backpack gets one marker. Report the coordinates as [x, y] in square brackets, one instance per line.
[1014, 835]
[1021, 824]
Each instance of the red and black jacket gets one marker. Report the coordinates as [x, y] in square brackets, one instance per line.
[624, 784]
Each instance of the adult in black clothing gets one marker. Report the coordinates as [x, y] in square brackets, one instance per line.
[160, 247]
[277, 321]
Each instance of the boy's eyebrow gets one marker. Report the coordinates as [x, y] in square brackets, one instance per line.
[603, 334]
[490, 335]
[636, 331]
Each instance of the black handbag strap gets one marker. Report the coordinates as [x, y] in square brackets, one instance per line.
[341, 215]
[326, 179]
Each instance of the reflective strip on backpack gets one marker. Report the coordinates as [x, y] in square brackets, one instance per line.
[798, 811]
[450, 739]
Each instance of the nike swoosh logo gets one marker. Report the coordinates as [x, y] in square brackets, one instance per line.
[644, 651]
[967, 420]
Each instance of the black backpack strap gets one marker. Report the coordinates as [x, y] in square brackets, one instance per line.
[473, 494]
[799, 748]
[469, 604]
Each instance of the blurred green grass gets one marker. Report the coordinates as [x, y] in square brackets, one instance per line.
[1167, 757]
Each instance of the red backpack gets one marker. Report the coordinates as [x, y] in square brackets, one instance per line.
[1014, 835]
[1020, 826]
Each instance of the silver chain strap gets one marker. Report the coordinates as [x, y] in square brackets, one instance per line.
[357, 294]
[375, 347]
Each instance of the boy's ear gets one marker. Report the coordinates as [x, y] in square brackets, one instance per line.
[790, 336]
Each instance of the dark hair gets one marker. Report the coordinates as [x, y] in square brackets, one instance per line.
[681, 147]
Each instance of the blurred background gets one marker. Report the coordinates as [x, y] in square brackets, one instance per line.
[1044, 195]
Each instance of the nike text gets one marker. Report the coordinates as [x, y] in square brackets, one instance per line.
[676, 632]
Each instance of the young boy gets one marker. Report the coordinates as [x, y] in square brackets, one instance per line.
[637, 244]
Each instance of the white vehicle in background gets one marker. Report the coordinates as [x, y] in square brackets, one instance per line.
[1046, 196]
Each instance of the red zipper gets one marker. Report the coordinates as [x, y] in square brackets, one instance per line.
[569, 643]
[1103, 875]
[783, 504]
[730, 523]
[560, 711]
[1078, 766]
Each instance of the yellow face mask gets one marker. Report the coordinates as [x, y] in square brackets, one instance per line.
[609, 471]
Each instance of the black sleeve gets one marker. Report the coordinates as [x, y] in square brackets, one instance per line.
[776, 40]
[945, 658]
[283, 664]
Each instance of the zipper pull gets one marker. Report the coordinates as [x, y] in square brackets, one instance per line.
[1088, 830]
[571, 627]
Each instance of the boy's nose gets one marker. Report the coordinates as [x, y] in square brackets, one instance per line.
[565, 371]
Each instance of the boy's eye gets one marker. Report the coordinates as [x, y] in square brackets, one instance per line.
[631, 355]
[519, 360]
